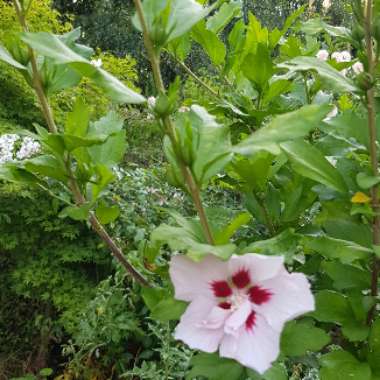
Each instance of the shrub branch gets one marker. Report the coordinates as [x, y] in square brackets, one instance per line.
[79, 198]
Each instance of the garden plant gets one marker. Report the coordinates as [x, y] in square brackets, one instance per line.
[245, 246]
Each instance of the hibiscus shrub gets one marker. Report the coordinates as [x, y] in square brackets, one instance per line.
[288, 284]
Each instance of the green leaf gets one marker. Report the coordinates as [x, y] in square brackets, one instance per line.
[76, 212]
[355, 331]
[188, 237]
[78, 120]
[332, 307]
[299, 337]
[7, 57]
[50, 45]
[205, 145]
[347, 276]
[168, 20]
[283, 128]
[350, 125]
[13, 173]
[285, 244]
[111, 152]
[106, 214]
[374, 347]
[317, 25]
[223, 236]
[46, 372]
[180, 47]
[332, 78]
[365, 181]
[220, 19]
[168, 310]
[152, 296]
[336, 308]
[343, 250]
[275, 89]
[253, 171]
[341, 365]
[210, 42]
[276, 372]
[310, 163]
[74, 142]
[213, 367]
[259, 67]
[48, 166]
[103, 177]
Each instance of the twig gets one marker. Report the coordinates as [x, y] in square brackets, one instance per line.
[370, 96]
[195, 77]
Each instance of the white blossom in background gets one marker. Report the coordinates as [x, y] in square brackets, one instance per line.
[345, 56]
[29, 148]
[326, 4]
[336, 56]
[323, 55]
[357, 68]
[97, 62]
[8, 151]
[151, 101]
[239, 306]
[184, 109]
[333, 113]
[342, 56]
[7, 145]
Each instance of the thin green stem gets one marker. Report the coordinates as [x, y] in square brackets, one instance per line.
[196, 77]
[370, 97]
[268, 220]
[154, 57]
[37, 81]
[307, 91]
[73, 184]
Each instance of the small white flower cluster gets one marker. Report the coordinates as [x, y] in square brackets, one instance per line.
[96, 62]
[341, 56]
[151, 104]
[8, 152]
[7, 145]
[184, 109]
[152, 101]
[29, 148]
[326, 4]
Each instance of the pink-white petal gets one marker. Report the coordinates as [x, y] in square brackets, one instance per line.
[197, 330]
[260, 267]
[238, 318]
[256, 349]
[193, 279]
[291, 297]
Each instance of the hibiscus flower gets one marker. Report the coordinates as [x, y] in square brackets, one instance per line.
[238, 306]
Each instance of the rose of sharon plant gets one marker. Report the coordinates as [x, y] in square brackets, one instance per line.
[239, 306]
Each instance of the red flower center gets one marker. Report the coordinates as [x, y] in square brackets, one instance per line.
[251, 320]
[240, 287]
[241, 278]
[259, 295]
[221, 289]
